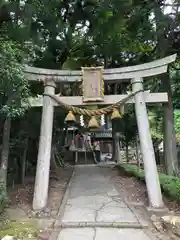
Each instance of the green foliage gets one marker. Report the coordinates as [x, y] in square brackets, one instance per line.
[133, 170]
[155, 116]
[14, 88]
[177, 121]
[175, 82]
[129, 130]
[82, 32]
[3, 200]
[72, 33]
[170, 185]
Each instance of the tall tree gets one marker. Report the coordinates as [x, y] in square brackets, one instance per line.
[14, 93]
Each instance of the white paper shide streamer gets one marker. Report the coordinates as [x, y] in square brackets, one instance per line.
[102, 120]
[82, 120]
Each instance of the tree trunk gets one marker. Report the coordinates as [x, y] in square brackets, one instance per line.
[114, 130]
[170, 150]
[113, 142]
[23, 163]
[127, 151]
[5, 154]
[162, 49]
[117, 148]
[53, 164]
[116, 155]
[137, 150]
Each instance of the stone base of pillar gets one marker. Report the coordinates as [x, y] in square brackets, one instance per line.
[157, 211]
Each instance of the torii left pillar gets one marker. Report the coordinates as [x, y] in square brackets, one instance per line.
[44, 153]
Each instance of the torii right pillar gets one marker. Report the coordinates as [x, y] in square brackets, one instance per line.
[150, 168]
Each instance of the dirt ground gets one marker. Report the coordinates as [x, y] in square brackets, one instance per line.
[21, 197]
[136, 192]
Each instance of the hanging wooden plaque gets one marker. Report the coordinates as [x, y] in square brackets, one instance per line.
[93, 84]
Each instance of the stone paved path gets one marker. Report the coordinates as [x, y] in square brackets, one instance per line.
[94, 210]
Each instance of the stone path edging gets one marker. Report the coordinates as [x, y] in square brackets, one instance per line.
[133, 225]
[64, 201]
[55, 225]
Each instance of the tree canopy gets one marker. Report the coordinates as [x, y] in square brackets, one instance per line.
[110, 32]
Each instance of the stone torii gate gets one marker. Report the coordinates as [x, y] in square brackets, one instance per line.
[135, 74]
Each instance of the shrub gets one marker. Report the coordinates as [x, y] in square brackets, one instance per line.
[170, 185]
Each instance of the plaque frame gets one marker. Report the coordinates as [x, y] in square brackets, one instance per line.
[97, 85]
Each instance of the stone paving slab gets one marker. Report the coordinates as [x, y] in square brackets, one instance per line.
[93, 205]
[102, 233]
[93, 198]
[98, 208]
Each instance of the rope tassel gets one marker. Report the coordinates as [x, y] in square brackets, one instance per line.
[115, 114]
[70, 117]
[93, 123]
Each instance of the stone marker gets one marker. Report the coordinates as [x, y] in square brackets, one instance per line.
[7, 237]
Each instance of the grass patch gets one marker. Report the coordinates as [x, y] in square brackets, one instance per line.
[3, 200]
[170, 185]
[19, 230]
[3, 194]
